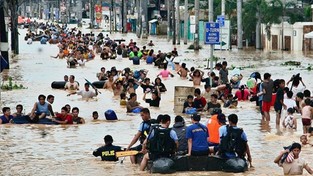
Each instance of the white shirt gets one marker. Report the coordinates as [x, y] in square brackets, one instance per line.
[86, 94]
[81, 62]
[290, 103]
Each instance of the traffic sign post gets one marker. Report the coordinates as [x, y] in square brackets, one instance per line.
[212, 33]
[221, 22]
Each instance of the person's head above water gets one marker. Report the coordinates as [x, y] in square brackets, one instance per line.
[145, 114]
[108, 140]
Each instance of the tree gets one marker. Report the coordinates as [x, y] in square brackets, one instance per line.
[12, 10]
[260, 11]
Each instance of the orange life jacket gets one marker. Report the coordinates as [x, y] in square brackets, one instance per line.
[213, 127]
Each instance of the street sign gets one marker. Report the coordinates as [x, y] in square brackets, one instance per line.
[212, 33]
[221, 20]
[224, 37]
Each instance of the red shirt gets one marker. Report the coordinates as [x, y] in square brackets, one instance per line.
[245, 96]
[202, 99]
[68, 117]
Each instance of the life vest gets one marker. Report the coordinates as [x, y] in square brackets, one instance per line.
[233, 142]
[213, 130]
[161, 142]
[144, 132]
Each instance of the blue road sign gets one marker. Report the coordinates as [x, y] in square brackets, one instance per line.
[221, 20]
[212, 33]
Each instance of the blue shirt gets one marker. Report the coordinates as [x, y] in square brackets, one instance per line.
[173, 134]
[199, 137]
[143, 126]
[5, 120]
[223, 132]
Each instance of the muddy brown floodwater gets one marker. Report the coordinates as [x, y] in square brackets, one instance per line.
[67, 150]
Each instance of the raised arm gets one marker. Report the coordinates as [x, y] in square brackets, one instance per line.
[277, 159]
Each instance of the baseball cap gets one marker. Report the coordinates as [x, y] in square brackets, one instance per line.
[196, 117]
[221, 118]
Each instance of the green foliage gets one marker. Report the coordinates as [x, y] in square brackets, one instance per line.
[291, 63]
[307, 12]
[11, 86]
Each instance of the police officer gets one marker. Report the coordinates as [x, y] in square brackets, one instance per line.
[143, 131]
[107, 152]
[161, 142]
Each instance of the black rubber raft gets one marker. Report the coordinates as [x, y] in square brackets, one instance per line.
[196, 163]
[27, 120]
[61, 84]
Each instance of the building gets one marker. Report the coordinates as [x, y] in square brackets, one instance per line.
[288, 37]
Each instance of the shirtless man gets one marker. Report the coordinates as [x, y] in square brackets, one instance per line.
[71, 86]
[117, 88]
[183, 71]
[109, 83]
[130, 87]
[196, 77]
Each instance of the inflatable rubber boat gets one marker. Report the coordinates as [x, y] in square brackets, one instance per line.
[59, 84]
[98, 84]
[27, 120]
[195, 163]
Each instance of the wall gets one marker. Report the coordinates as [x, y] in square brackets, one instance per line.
[293, 34]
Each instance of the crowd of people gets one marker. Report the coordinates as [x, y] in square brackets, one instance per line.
[221, 90]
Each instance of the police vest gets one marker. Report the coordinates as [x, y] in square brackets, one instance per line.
[161, 142]
[232, 142]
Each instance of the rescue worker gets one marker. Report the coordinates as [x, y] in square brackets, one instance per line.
[143, 131]
[161, 142]
[108, 151]
[213, 127]
[197, 135]
[180, 128]
[233, 140]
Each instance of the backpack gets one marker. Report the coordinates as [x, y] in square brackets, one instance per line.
[161, 142]
[233, 142]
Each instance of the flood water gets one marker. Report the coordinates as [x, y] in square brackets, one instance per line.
[67, 150]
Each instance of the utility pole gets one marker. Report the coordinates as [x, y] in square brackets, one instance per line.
[4, 43]
[239, 24]
[258, 30]
[124, 16]
[14, 30]
[79, 7]
[186, 16]
[173, 23]
[223, 7]
[114, 12]
[31, 8]
[92, 14]
[196, 38]
[113, 15]
[168, 21]
[210, 62]
[178, 21]
[138, 27]
[282, 28]
[144, 19]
